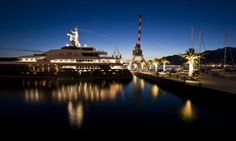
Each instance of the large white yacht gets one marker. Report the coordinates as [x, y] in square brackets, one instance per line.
[71, 60]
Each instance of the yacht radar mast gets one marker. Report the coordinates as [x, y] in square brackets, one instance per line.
[116, 54]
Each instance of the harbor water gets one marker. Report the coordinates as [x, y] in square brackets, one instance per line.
[82, 106]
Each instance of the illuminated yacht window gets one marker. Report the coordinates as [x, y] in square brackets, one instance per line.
[28, 60]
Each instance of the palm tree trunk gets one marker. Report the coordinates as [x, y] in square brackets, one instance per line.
[190, 70]
[164, 67]
[156, 66]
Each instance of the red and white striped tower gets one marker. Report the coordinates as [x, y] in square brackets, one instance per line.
[139, 31]
[137, 52]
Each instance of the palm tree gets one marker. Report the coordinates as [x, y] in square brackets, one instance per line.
[135, 65]
[192, 59]
[150, 63]
[164, 62]
[156, 62]
[142, 63]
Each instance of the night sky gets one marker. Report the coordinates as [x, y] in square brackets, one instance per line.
[107, 24]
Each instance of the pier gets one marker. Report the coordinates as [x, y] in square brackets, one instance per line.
[203, 81]
[208, 94]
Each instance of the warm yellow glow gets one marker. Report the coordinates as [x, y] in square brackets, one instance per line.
[32, 95]
[107, 61]
[135, 80]
[142, 84]
[187, 113]
[191, 68]
[56, 68]
[192, 58]
[42, 68]
[63, 61]
[44, 83]
[76, 94]
[86, 91]
[69, 67]
[28, 60]
[164, 62]
[75, 114]
[33, 68]
[143, 63]
[155, 91]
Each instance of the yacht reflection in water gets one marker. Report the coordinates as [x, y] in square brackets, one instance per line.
[76, 94]
[33, 95]
[75, 114]
[87, 91]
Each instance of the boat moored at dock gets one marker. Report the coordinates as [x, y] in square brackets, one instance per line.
[70, 61]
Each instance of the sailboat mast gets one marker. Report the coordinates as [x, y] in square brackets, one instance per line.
[225, 52]
[192, 37]
[200, 47]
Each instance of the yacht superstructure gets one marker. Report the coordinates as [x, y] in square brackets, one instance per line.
[73, 60]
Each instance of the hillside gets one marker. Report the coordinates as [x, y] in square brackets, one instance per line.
[210, 57]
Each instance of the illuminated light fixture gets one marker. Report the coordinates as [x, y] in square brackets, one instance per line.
[192, 59]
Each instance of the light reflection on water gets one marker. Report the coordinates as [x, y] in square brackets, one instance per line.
[87, 92]
[75, 114]
[33, 95]
[155, 91]
[187, 112]
[136, 100]
[75, 95]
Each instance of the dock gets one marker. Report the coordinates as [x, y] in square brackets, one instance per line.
[214, 94]
[220, 84]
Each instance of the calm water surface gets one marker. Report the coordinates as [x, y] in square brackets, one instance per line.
[88, 105]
